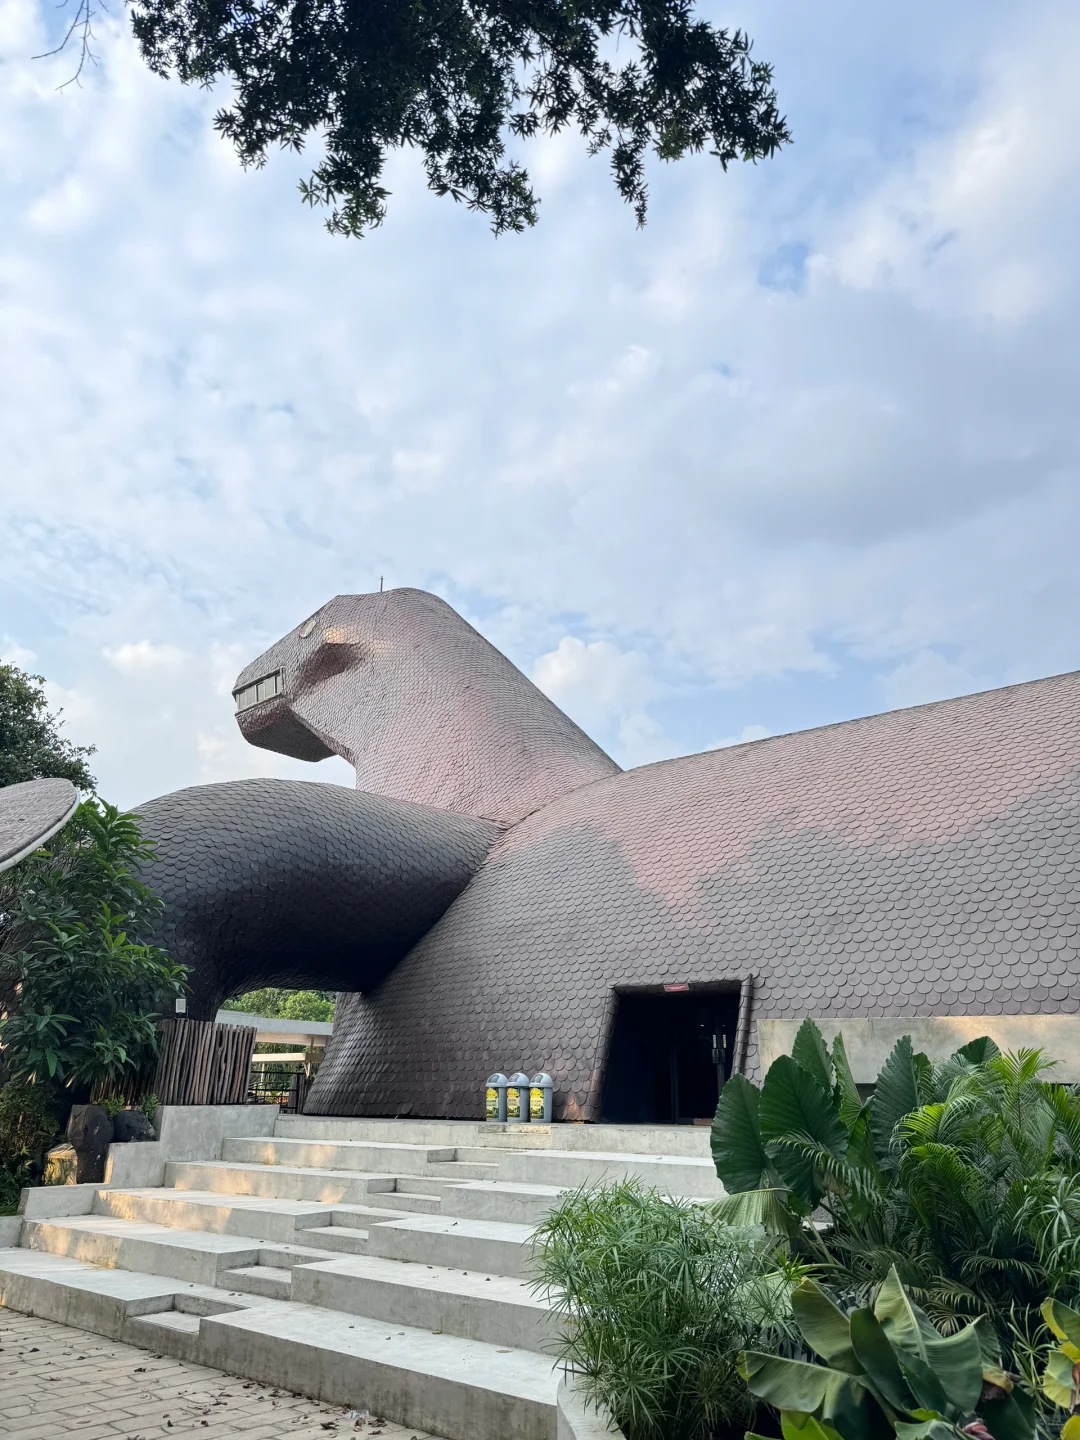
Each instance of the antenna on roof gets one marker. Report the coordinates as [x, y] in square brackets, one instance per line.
[380, 584]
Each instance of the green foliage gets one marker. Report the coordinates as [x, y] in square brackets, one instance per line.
[964, 1175]
[28, 1127]
[72, 944]
[277, 1003]
[31, 746]
[453, 81]
[149, 1106]
[887, 1370]
[658, 1296]
[112, 1105]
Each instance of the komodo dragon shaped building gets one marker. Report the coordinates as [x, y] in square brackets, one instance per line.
[497, 893]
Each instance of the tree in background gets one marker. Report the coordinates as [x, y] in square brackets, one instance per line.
[276, 1003]
[76, 919]
[454, 80]
[31, 746]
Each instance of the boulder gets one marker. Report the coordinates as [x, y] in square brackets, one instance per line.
[131, 1125]
[90, 1131]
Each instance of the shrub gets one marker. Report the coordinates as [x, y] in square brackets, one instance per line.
[887, 1370]
[28, 1127]
[276, 1002]
[658, 1297]
[75, 919]
[964, 1175]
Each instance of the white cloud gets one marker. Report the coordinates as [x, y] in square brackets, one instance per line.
[607, 691]
[12, 653]
[216, 415]
[594, 681]
[744, 737]
[926, 676]
[138, 657]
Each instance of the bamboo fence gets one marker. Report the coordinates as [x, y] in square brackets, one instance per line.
[202, 1063]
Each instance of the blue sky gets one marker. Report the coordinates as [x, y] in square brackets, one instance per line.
[803, 449]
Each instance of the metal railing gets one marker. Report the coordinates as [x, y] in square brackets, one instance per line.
[286, 1085]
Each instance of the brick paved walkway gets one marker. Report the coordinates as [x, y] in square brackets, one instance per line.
[57, 1383]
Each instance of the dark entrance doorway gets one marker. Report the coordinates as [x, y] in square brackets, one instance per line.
[669, 1055]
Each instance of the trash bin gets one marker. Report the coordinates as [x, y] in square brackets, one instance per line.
[495, 1097]
[517, 1098]
[540, 1088]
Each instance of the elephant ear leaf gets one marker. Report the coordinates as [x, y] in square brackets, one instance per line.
[847, 1092]
[811, 1052]
[978, 1052]
[798, 1121]
[824, 1327]
[770, 1209]
[896, 1093]
[737, 1149]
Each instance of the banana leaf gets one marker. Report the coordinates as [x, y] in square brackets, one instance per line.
[1063, 1320]
[794, 1384]
[824, 1327]
[878, 1360]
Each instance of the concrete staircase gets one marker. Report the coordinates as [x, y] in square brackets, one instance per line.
[377, 1264]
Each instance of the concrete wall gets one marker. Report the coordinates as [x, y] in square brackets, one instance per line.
[185, 1132]
[53, 1202]
[868, 1042]
[136, 1166]
[195, 1132]
[10, 1231]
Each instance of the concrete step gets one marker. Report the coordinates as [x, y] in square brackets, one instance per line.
[686, 1175]
[460, 1389]
[415, 1132]
[412, 1132]
[101, 1300]
[277, 1182]
[345, 1239]
[362, 1217]
[275, 1220]
[462, 1170]
[667, 1140]
[493, 1308]
[487, 1246]
[272, 1282]
[74, 1293]
[420, 1203]
[170, 1333]
[369, 1155]
[197, 1257]
[500, 1200]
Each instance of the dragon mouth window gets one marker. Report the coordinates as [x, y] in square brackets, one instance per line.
[265, 688]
